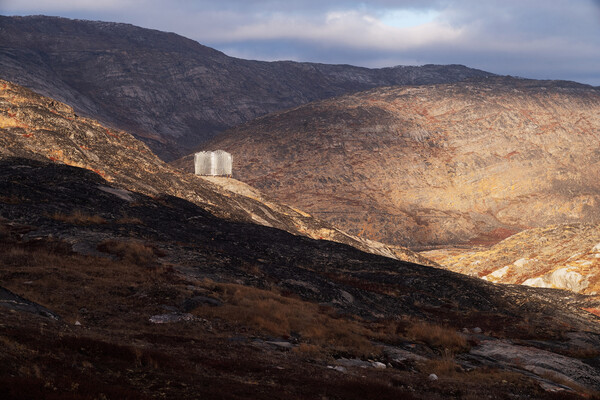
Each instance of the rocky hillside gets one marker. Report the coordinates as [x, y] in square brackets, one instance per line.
[122, 278]
[108, 293]
[560, 256]
[40, 128]
[469, 162]
[169, 91]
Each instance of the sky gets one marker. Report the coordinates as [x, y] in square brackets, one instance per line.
[542, 39]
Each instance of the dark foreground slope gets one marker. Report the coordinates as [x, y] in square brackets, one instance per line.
[432, 165]
[169, 91]
[153, 297]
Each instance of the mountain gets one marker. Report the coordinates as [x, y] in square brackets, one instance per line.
[42, 128]
[432, 165]
[123, 279]
[171, 92]
[561, 256]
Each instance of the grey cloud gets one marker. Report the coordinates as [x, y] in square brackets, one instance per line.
[534, 38]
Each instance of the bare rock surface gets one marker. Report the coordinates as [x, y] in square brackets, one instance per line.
[462, 163]
[17, 303]
[565, 256]
[540, 362]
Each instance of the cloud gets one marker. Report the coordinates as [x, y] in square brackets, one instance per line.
[536, 38]
[50, 6]
[349, 29]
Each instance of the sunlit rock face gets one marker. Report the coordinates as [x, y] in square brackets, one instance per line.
[565, 256]
[470, 162]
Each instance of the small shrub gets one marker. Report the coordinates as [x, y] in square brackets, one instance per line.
[12, 199]
[444, 366]
[16, 256]
[390, 331]
[307, 350]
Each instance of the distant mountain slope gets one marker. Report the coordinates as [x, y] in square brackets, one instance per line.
[432, 165]
[169, 91]
[36, 127]
[559, 256]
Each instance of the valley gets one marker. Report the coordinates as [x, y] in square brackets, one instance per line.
[44, 129]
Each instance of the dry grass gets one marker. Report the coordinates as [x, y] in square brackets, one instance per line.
[50, 274]
[309, 351]
[438, 336]
[444, 366]
[117, 353]
[78, 217]
[390, 331]
[129, 251]
[270, 312]
[127, 220]
[12, 199]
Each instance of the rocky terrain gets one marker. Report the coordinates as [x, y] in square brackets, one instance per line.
[110, 293]
[122, 278]
[462, 163]
[41, 128]
[561, 256]
[169, 91]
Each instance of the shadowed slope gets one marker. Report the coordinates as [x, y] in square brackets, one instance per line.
[159, 288]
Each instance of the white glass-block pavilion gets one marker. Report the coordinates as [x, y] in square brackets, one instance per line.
[214, 163]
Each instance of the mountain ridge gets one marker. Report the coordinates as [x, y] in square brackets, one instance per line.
[170, 91]
[110, 261]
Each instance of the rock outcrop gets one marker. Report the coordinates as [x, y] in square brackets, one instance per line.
[561, 256]
[169, 91]
[469, 162]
